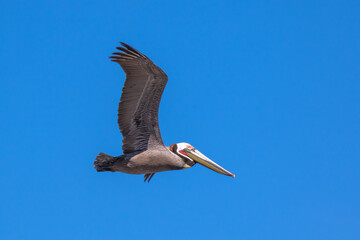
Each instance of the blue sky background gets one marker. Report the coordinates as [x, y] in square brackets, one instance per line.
[268, 89]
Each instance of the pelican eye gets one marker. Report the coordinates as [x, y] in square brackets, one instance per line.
[173, 148]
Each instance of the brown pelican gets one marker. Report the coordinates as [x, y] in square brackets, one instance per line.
[144, 150]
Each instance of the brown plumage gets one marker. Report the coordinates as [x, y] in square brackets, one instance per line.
[144, 150]
[139, 105]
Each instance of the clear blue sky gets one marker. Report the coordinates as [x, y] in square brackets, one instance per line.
[268, 89]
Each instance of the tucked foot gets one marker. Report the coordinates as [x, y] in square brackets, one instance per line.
[148, 176]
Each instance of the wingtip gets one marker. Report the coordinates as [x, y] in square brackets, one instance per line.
[124, 44]
[131, 49]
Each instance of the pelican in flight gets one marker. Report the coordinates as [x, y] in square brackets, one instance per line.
[143, 148]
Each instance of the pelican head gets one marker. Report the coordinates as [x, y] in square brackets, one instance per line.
[192, 156]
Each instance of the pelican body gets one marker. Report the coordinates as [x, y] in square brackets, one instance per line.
[143, 148]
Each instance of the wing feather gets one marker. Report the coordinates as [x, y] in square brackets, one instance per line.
[140, 99]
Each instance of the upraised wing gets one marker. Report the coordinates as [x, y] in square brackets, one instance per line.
[140, 100]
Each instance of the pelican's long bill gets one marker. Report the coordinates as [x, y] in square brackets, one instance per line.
[203, 160]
